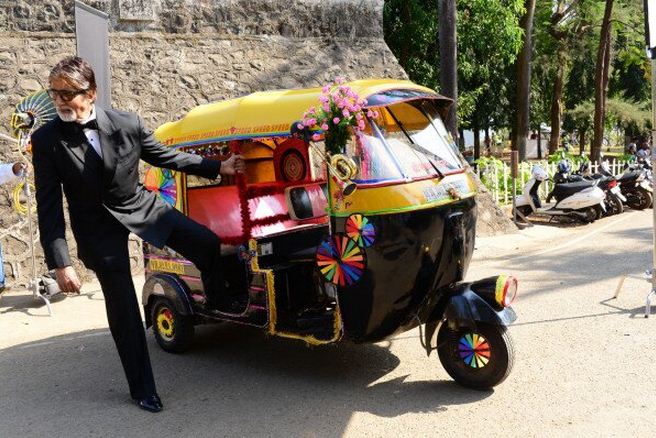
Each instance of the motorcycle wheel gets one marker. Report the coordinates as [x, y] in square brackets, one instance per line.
[639, 199]
[591, 214]
[613, 205]
[173, 331]
[525, 210]
[479, 358]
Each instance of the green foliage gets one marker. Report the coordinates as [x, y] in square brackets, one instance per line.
[496, 176]
[620, 113]
[489, 38]
[575, 159]
[410, 28]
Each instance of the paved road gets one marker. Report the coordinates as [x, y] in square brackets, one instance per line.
[584, 365]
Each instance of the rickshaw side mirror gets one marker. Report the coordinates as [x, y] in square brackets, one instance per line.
[307, 201]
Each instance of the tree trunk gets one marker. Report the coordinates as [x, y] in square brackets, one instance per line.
[556, 105]
[477, 142]
[487, 142]
[601, 83]
[524, 83]
[403, 53]
[448, 60]
[539, 143]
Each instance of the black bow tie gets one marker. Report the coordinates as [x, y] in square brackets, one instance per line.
[91, 124]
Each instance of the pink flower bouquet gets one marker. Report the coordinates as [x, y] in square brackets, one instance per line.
[341, 111]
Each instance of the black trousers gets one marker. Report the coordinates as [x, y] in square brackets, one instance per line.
[127, 329]
[193, 241]
[202, 247]
[106, 252]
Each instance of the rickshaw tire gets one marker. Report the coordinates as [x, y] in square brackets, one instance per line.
[175, 332]
[500, 361]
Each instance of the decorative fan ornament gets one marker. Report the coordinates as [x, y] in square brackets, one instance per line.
[32, 112]
[360, 229]
[162, 182]
[474, 350]
[340, 260]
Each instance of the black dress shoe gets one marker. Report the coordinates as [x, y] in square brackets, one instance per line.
[152, 403]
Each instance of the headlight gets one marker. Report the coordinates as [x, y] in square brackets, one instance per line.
[506, 290]
[498, 291]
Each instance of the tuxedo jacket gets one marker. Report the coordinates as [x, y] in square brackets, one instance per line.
[105, 198]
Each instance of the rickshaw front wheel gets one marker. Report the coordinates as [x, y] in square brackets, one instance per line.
[173, 331]
[476, 358]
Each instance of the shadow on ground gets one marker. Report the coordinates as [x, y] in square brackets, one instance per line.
[235, 382]
[571, 267]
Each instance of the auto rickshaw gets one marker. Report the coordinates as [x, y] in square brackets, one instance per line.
[356, 247]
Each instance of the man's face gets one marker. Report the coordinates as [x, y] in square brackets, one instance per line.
[76, 109]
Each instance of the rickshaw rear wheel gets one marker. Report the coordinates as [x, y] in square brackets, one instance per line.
[173, 331]
[477, 358]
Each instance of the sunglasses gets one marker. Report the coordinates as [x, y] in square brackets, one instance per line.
[65, 95]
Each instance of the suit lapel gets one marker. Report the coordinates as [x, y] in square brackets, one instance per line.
[110, 142]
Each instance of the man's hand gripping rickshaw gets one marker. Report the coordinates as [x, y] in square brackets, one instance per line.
[348, 228]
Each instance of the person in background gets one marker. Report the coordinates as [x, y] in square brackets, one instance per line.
[8, 172]
[11, 171]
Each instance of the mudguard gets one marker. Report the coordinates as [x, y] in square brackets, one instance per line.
[464, 308]
[169, 286]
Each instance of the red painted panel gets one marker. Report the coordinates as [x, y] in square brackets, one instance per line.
[218, 209]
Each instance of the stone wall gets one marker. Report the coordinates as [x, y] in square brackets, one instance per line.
[168, 56]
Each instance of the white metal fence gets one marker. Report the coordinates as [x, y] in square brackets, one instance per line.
[496, 177]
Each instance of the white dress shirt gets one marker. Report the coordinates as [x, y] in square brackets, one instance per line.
[92, 135]
[7, 173]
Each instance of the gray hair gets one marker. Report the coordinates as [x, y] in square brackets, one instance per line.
[76, 72]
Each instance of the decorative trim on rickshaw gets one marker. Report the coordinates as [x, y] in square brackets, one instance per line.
[273, 312]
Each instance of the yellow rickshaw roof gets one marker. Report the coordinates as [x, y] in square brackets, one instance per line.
[262, 114]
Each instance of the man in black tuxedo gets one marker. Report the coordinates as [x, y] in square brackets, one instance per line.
[94, 155]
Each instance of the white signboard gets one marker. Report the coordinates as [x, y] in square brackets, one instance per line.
[650, 27]
[91, 34]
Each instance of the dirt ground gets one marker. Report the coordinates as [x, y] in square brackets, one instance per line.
[584, 362]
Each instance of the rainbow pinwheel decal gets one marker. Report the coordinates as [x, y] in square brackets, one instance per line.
[162, 182]
[341, 261]
[361, 230]
[474, 350]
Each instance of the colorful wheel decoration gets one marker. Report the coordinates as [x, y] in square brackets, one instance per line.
[474, 350]
[361, 230]
[293, 166]
[340, 260]
[162, 182]
[166, 324]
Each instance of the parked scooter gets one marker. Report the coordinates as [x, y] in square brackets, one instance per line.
[582, 200]
[607, 182]
[636, 186]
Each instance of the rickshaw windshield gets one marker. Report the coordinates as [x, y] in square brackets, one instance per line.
[407, 140]
[417, 138]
